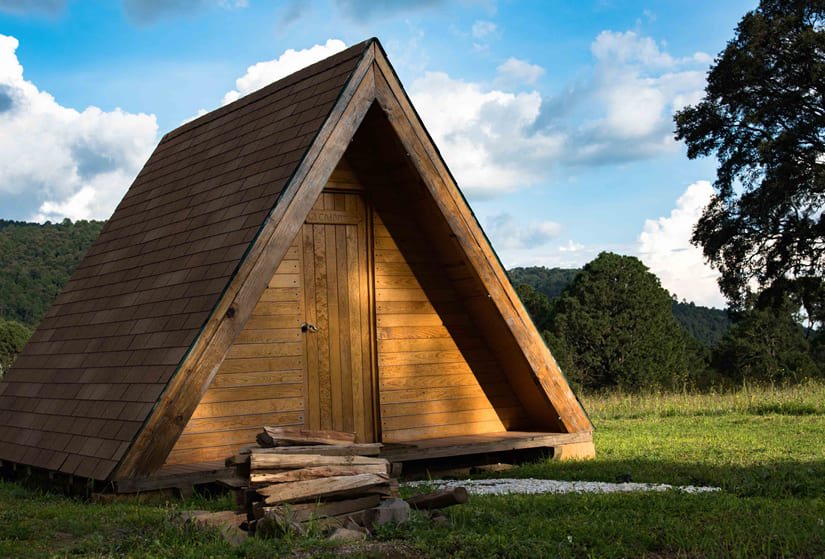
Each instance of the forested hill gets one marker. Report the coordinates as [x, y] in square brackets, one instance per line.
[705, 324]
[36, 261]
[548, 281]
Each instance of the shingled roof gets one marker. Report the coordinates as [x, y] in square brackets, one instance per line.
[95, 368]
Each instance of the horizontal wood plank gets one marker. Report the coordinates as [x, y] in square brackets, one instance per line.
[486, 415]
[238, 436]
[437, 431]
[274, 322]
[228, 380]
[253, 420]
[262, 365]
[444, 393]
[217, 395]
[271, 308]
[443, 406]
[272, 335]
[415, 357]
[240, 407]
[434, 381]
[281, 294]
[282, 349]
[285, 280]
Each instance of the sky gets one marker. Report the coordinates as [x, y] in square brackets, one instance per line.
[556, 118]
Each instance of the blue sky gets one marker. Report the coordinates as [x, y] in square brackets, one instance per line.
[555, 117]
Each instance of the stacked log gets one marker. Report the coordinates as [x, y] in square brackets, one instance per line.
[307, 476]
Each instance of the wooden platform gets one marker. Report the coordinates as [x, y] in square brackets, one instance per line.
[184, 476]
[181, 476]
[464, 445]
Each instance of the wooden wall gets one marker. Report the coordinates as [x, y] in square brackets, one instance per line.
[437, 378]
[261, 382]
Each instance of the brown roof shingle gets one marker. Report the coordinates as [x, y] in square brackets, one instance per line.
[102, 356]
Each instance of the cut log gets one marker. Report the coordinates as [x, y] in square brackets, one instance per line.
[323, 488]
[288, 436]
[295, 461]
[360, 449]
[438, 499]
[313, 511]
[316, 472]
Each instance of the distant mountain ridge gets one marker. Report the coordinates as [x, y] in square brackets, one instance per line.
[705, 324]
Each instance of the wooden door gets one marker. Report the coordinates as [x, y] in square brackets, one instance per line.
[337, 285]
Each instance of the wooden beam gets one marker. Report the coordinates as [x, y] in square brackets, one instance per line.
[479, 444]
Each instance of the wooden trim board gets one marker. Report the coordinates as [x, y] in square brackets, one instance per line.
[447, 447]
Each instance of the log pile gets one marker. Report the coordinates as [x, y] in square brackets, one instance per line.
[296, 477]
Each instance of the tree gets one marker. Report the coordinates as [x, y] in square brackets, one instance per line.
[537, 305]
[765, 345]
[13, 336]
[763, 117]
[614, 327]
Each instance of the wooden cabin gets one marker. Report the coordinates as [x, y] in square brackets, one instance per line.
[301, 256]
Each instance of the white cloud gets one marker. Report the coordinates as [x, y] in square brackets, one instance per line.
[572, 246]
[72, 164]
[629, 48]
[630, 99]
[508, 233]
[485, 134]
[482, 29]
[515, 72]
[499, 140]
[264, 73]
[664, 246]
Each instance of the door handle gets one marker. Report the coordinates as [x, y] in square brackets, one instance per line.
[307, 327]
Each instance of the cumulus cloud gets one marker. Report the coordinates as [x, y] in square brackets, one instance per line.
[264, 73]
[515, 72]
[499, 138]
[628, 103]
[664, 246]
[485, 135]
[64, 162]
[507, 233]
[152, 11]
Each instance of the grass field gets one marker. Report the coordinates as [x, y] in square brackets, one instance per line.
[762, 446]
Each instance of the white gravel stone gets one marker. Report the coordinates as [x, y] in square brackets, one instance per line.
[534, 486]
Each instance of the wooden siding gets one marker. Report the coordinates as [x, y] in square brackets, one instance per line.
[437, 378]
[261, 381]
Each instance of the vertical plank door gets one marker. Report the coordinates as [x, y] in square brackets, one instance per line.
[337, 285]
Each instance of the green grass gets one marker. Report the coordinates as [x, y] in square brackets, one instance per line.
[762, 446]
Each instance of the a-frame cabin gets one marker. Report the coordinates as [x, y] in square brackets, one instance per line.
[301, 256]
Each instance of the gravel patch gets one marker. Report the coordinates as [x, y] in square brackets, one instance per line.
[507, 486]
